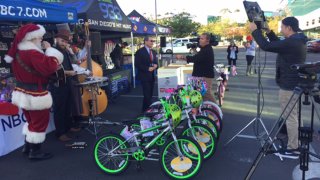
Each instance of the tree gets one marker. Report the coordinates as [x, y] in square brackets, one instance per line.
[181, 24]
[273, 23]
[226, 29]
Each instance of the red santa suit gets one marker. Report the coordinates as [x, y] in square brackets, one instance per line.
[31, 92]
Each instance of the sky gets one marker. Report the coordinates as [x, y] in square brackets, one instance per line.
[198, 8]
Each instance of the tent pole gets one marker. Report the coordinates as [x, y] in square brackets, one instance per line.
[158, 49]
[132, 60]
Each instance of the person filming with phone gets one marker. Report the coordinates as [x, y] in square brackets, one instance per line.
[291, 50]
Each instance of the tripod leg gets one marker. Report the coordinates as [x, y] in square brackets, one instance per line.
[257, 160]
[274, 146]
[266, 147]
[238, 134]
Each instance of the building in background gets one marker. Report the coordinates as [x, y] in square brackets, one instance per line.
[213, 19]
[308, 14]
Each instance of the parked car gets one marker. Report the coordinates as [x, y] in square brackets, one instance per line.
[179, 45]
[313, 46]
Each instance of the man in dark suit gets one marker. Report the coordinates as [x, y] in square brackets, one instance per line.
[146, 63]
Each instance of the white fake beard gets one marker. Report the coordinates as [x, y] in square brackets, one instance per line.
[38, 44]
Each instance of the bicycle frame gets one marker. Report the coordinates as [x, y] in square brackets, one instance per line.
[168, 128]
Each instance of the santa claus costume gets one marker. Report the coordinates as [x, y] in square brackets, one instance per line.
[32, 67]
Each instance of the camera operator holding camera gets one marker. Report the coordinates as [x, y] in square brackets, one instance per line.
[291, 50]
[203, 64]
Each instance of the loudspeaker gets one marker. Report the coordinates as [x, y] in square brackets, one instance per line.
[95, 38]
[163, 41]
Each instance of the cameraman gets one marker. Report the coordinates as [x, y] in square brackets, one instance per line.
[203, 64]
[291, 50]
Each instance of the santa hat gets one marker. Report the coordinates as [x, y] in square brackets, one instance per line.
[25, 33]
[249, 38]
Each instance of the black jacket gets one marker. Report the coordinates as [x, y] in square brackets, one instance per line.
[229, 52]
[142, 62]
[203, 62]
[291, 50]
[117, 56]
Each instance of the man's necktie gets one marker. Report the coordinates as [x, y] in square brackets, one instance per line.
[151, 57]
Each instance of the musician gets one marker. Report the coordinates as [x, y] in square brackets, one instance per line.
[32, 68]
[66, 97]
[117, 55]
[146, 63]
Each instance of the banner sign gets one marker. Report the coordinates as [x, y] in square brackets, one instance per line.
[141, 28]
[141, 25]
[11, 136]
[101, 14]
[35, 11]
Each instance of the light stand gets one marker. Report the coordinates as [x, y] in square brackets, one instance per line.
[258, 118]
[255, 61]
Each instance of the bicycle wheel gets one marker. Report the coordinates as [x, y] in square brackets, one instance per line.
[184, 164]
[213, 106]
[155, 106]
[209, 123]
[220, 98]
[108, 155]
[212, 115]
[205, 138]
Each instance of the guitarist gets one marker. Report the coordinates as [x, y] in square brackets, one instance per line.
[66, 97]
[32, 68]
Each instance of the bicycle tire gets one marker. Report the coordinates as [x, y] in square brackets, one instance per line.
[181, 167]
[209, 123]
[220, 96]
[101, 149]
[205, 138]
[214, 116]
[213, 106]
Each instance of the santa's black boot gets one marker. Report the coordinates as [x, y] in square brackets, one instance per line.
[26, 148]
[37, 154]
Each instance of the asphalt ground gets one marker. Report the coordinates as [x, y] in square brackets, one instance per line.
[230, 162]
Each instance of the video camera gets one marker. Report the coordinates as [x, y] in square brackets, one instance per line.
[308, 73]
[310, 69]
[214, 41]
[255, 14]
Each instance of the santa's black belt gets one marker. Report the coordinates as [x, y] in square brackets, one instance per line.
[31, 86]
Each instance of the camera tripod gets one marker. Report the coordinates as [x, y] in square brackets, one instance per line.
[305, 133]
[258, 118]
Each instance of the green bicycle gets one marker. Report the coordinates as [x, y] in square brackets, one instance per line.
[180, 157]
[197, 127]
